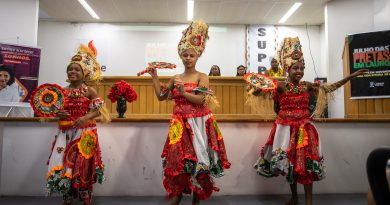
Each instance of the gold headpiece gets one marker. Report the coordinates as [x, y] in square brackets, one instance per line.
[290, 52]
[195, 37]
[86, 58]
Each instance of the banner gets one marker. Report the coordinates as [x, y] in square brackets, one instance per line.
[261, 44]
[19, 73]
[370, 51]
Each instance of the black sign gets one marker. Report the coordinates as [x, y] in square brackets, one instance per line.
[370, 51]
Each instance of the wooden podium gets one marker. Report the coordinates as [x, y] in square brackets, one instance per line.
[362, 108]
[230, 92]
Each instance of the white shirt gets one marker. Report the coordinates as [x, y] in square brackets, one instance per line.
[10, 94]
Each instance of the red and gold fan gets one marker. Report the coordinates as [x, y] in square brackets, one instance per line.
[47, 100]
[260, 81]
[158, 65]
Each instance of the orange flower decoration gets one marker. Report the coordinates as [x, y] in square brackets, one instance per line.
[53, 169]
[48, 98]
[87, 144]
[175, 131]
[303, 139]
[216, 127]
[67, 175]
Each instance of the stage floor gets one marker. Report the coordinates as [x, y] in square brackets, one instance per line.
[320, 199]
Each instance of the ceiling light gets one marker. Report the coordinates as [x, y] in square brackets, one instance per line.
[290, 12]
[89, 9]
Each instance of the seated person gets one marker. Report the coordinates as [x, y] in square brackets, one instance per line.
[275, 70]
[215, 71]
[241, 70]
[378, 171]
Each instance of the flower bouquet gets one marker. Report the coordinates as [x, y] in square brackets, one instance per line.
[122, 91]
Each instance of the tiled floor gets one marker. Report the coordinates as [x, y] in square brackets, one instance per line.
[331, 199]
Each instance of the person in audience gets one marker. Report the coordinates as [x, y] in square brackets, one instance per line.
[275, 70]
[241, 70]
[293, 148]
[215, 71]
[194, 151]
[75, 162]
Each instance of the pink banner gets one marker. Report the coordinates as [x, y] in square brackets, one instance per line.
[18, 72]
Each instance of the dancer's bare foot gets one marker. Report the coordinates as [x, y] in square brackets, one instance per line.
[67, 200]
[86, 197]
[175, 200]
[292, 201]
[195, 200]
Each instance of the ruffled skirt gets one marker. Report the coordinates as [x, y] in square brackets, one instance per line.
[293, 151]
[75, 161]
[194, 152]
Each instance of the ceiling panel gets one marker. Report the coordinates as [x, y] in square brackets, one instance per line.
[69, 10]
[167, 11]
[258, 11]
[312, 14]
[128, 10]
[106, 9]
[207, 10]
[177, 10]
[232, 11]
[278, 11]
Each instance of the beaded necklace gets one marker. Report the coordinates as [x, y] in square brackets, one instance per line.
[296, 88]
[75, 93]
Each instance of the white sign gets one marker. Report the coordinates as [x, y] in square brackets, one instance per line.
[261, 44]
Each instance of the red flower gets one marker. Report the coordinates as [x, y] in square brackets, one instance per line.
[196, 40]
[124, 89]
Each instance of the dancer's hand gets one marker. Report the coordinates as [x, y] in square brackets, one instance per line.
[359, 72]
[257, 91]
[152, 71]
[179, 84]
[63, 114]
[80, 121]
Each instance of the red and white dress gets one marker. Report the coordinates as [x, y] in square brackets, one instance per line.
[75, 161]
[194, 150]
[293, 148]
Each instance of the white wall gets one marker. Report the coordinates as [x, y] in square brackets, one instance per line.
[131, 153]
[381, 14]
[323, 52]
[345, 17]
[19, 22]
[19, 25]
[126, 48]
